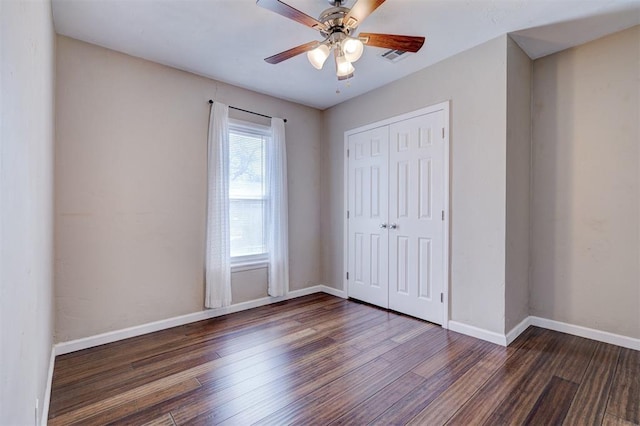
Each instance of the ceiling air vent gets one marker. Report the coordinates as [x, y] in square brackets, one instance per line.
[394, 55]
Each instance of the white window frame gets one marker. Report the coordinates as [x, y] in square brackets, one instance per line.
[252, 261]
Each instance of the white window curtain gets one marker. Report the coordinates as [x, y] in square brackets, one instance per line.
[218, 257]
[277, 216]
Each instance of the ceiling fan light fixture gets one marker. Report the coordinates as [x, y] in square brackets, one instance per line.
[353, 49]
[343, 67]
[318, 56]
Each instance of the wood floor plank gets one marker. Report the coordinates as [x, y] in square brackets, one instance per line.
[282, 398]
[381, 401]
[241, 343]
[165, 364]
[320, 312]
[229, 383]
[517, 405]
[362, 315]
[165, 420]
[445, 405]
[346, 392]
[504, 381]
[81, 394]
[238, 371]
[624, 400]
[158, 385]
[572, 368]
[450, 354]
[337, 394]
[389, 330]
[102, 417]
[417, 400]
[125, 410]
[590, 402]
[553, 404]
[610, 420]
[217, 414]
[410, 332]
[225, 388]
[352, 331]
[319, 359]
[271, 405]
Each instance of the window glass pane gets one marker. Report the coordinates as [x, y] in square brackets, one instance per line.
[246, 166]
[247, 227]
[247, 161]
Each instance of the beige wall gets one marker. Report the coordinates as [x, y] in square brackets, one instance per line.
[131, 188]
[586, 185]
[131, 174]
[475, 82]
[26, 207]
[518, 184]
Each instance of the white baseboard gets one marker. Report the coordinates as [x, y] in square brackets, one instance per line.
[138, 330]
[47, 390]
[333, 291]
[574, 330]
[589, 333]
[517, 330]
[478, 333]
[459, 327]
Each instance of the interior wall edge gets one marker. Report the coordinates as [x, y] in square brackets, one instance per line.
[47, 392]
[27, 125]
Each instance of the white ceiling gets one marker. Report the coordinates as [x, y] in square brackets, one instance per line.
[227, 39]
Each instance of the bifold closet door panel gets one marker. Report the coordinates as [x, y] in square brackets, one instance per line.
[368, 238]
[416, 205]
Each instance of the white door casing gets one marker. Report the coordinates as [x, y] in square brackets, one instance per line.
[368, 239]
[410, 178]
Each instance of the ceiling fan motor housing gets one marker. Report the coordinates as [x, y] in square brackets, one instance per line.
[333, 19]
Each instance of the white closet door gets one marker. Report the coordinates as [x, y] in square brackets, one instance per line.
[368, 204]
[416, 228]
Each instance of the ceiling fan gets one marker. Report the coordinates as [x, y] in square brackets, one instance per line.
[338, 25]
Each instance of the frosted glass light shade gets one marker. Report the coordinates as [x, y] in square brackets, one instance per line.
[318, 56]
[353, 49]
[343, 67]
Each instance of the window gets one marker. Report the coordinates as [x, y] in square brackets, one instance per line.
[247, 191]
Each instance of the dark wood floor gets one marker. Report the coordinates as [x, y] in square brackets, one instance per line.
[324, 360]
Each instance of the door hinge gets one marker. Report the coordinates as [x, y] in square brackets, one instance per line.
[443, 133]
[347, 275]
[442, 214]
[347, 153]
[347, 214]
[441, 297]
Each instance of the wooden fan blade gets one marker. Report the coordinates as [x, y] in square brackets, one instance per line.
[288, 54]
[393, 41]
[360, 11]
[287, 11]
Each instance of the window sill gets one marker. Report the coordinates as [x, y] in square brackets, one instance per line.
[248, 266]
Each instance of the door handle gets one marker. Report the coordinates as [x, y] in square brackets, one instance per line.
[393, 226]
[383, 225]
